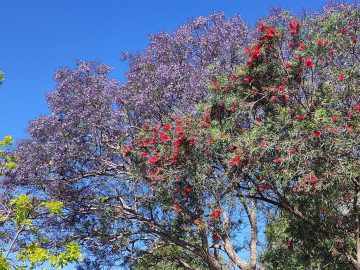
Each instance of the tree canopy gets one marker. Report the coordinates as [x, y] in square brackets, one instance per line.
[222, 134]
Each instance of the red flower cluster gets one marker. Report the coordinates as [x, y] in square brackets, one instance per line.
[235, 161]
[294, 27]
[215, 215]
[308, 62]
[316, 134]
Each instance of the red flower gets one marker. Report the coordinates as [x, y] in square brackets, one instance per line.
[316, 134]
[341, 78]
[353, 40]
[250, 64]
[278, 160]
[300, 117]
[288, 65]
[216, 87]
[331, 52]
[348, 128]
[156, 128]
[270, 33]
[253, 52]
[273, 99]
[237, 160]
[262, 27]
[248, 80]
[282, 87]
[164, 136]
[234, 77]
[179, 131]
[308, 62]
[154, 160]
[215, 215]
[322, 43]
[301, 46]
[192, 140]
[187, 190]
[335, 118]
[211, 140]
[312, 179]
[294, 27]
[285, 98]
[179, 142]
[293, 151]
[144, 155]
[167, 126]
[215, 237]
[351, 116]
[357, 107]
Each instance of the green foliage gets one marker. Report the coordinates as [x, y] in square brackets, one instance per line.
[168, 257]
[36, 255]
[21, 215]
[1, 77]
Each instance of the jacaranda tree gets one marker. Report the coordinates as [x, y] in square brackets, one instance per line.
[216, 134]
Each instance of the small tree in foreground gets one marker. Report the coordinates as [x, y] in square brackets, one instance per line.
[24, 244]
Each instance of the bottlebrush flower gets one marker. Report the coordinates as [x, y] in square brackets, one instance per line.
[294, 27]
[312, 179]
[273, 99]
[250, 64]
[154, 160]
[357, 107]
[211, 140]
[351, 116]
[278, 160]
[300, 118]
[235, 161]
[164, 136]
[179, 131]
[301, 46]
[248, 80]
[335, 118]
[167, 126]
[322, 43]
[316, 134]
[215, 215]
[187, 190]
[192, 140]
[341, 78]
[308, 62]
[215, 237]
[348, 128]
[262, 27]
[270, 33]
[288, 65]
[234, 77]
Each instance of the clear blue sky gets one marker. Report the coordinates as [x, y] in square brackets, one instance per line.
[37, 37]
